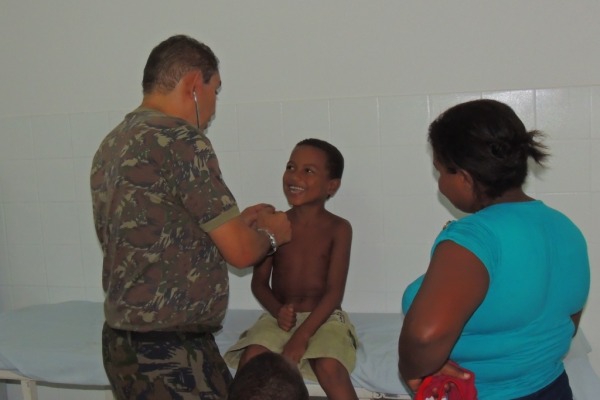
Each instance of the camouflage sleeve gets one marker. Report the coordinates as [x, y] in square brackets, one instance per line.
[199, 181]
[221, 219]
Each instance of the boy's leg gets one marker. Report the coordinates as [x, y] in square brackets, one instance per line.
[177, 368]
[264, 335]
[334, 379]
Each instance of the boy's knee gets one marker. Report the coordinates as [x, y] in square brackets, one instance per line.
[328, 367]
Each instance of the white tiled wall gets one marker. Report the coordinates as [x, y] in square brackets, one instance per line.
[48, 249]
[50, 252]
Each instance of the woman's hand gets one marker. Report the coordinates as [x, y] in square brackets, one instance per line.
[454, 370]
[413, 384]
[450, 368]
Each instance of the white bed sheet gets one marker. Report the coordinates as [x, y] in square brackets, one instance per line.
[55, 343]
[61, 343]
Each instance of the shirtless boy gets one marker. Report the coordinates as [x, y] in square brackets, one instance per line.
[302, 285]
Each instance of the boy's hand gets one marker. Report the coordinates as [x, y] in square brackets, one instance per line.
[294, 349]
[286, 318]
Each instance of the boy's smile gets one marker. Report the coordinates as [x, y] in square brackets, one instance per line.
[295, 189]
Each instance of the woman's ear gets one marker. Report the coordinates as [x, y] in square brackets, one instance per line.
[466, 178]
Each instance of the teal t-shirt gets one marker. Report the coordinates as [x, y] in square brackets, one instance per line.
[539, 276]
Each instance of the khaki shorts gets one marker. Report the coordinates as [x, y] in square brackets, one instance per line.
[336, 339]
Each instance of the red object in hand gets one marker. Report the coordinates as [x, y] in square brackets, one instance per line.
[458, 389]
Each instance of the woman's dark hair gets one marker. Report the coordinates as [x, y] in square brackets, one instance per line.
[489, 141]
[170, 60]
[335, 159]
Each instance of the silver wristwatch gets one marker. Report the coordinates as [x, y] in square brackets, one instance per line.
[272, 240]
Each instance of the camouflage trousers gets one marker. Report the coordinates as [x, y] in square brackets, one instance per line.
[164, 365]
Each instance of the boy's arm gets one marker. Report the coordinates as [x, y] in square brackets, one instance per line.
[334, 292]
[261, 287]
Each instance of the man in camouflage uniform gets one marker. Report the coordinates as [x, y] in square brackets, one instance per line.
[168, 224]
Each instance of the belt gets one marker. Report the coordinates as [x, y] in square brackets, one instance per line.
[160, 336]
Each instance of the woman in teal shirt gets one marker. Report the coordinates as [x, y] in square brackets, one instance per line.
[506, 285]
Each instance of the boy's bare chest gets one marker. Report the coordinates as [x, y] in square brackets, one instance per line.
[310, 248]
[315, 237]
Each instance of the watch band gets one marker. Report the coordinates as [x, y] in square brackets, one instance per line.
[272, 240]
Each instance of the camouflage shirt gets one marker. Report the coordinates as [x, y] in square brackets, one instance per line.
[157, 190]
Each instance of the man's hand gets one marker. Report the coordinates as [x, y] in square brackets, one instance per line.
[275, 222]
[250, 214]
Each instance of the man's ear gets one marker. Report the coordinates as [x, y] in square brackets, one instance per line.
[334, 185]
[192, 81]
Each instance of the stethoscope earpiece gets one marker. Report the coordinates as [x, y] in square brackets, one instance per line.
[197, 111]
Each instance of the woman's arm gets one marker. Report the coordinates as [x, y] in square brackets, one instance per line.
[455, 284]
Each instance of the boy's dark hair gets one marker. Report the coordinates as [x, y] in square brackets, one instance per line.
[173, 58]
[268, 376]
[489, 141]
[335, 159]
